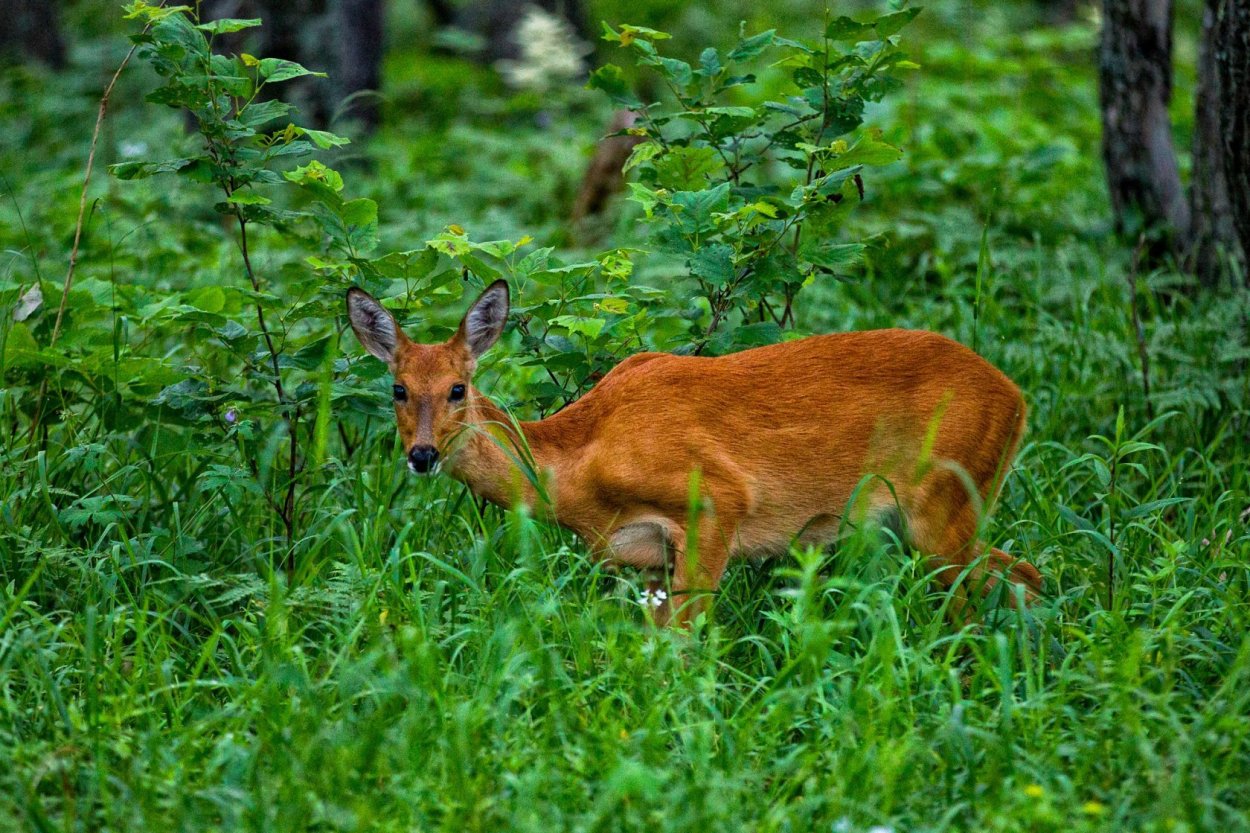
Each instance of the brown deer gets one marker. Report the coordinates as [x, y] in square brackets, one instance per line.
[779, 440]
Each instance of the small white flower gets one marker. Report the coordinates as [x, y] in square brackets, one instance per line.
[843, 825]
[880, 828]
[652, 598]
[131, 149]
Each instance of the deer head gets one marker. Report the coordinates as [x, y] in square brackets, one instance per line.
[434, 396]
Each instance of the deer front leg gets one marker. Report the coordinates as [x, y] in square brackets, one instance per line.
[698, 565]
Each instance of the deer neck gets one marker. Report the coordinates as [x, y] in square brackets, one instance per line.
[500, 456]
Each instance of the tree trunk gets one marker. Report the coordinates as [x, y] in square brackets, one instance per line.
[29, 28]
[1135, 74]
[603, 175]
[341, 37]
[1213, 238]
[360, 58]
[1233, 70]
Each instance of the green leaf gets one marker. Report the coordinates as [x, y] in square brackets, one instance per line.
[686, 168]
[480, 267]
[732, 112]
[324, 139]
[360, 216]
[869, 150]
[20, 347]
[714, 264]
[151, 13]
[274, 70]
[143, 170]
[749, 335]
[206, 299]
[641, 153]
[751, 47]
[260, 112]
[589, 327]
[832, 256]
[415, 263]
[610, 79]
[227, 25]
[694, 209]
[846, 29]
[644, 196]
[709, 62]
[676, 71]
[310, 356]
[247, 198]
[632, 34]
[315, 173]
[891, 23]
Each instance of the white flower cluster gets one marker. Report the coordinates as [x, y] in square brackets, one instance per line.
[652, 598]
[551, 53]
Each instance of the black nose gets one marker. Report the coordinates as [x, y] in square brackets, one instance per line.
[422, 458]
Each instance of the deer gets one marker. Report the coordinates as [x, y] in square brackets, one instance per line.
[785, 443]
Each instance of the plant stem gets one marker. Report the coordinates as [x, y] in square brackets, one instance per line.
[78, 226]
[260, 310]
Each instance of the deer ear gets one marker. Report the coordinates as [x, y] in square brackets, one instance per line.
[374, 326]
[485, 320]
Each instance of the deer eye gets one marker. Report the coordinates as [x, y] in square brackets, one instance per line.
[401, 393]
[457, 393]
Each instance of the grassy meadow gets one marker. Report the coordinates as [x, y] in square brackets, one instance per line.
[174, 656]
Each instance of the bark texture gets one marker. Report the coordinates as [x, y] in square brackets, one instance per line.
[1213, 239]
[360, 58]
[603, 176]
[340, 37]
[29, 28]
[1135, 74]
[1232, 47]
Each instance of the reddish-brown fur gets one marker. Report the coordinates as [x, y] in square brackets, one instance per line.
[780, 437]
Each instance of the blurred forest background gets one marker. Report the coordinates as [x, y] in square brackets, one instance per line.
[224, 604]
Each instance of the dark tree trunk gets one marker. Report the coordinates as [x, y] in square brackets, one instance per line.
[29, 27]
[360, 58]
[1233, 71]
[1135, 74]
[340, 37]
[1213, 238]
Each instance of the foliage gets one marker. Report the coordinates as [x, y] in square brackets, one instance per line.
[427, 663]
[731, 184]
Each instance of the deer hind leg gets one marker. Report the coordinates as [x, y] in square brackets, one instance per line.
[963, 564]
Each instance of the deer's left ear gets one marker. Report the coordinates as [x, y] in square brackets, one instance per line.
[374, 326]
[485, 320]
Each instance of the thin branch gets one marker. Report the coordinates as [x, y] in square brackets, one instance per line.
[260, 310]
[82, 198]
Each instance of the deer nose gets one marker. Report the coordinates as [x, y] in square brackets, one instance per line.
[422, 458]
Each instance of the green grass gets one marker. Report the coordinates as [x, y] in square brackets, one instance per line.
[432, 664]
